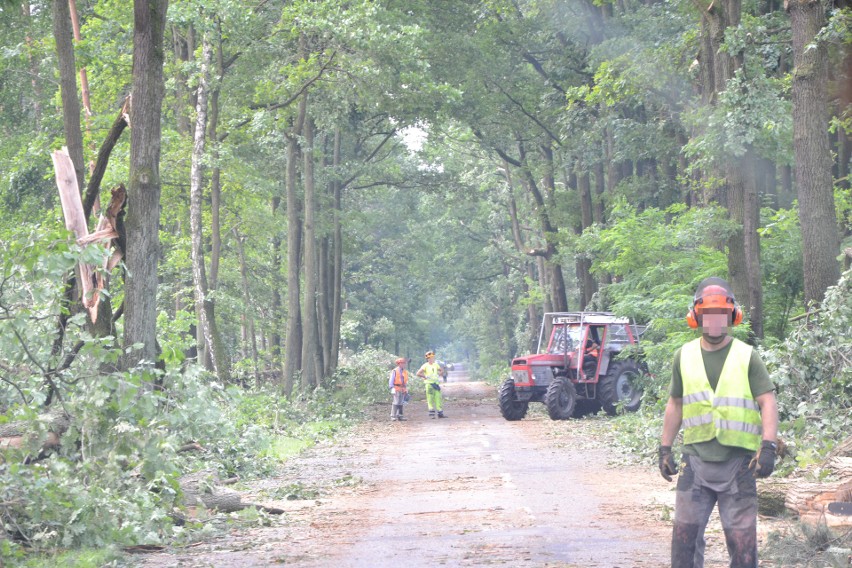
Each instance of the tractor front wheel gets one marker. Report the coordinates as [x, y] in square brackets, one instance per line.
[620, 386]
[510, 407]
[561, 398]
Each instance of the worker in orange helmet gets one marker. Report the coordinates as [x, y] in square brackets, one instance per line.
[398, 385]
[723, 397]
[430, 372]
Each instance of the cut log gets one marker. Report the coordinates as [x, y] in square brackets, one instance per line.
[202, 489]
[771, 497]
[843, 449]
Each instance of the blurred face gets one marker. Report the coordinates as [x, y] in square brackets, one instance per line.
[430, 358]
[715, 323]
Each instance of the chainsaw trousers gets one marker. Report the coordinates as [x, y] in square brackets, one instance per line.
[701, 486]
[434, 398]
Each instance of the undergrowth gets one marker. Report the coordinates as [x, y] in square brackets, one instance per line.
[114, 481]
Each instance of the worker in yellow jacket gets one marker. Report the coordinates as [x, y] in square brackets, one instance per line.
[722, 396]
[430, 372]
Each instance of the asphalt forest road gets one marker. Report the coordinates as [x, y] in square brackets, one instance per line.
[469, 490]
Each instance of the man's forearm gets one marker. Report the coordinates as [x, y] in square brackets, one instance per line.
[671, 421]
[768, 415]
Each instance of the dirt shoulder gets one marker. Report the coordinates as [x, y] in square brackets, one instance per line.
[468, 490]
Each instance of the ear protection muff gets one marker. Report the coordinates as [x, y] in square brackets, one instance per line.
[691, 319]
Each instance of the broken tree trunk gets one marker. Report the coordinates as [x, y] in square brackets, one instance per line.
[75, 221]
[91, 280]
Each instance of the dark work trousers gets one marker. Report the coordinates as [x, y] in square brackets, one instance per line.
[700, 486]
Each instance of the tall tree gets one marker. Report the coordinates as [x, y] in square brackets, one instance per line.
[143, 200]
[820, 240]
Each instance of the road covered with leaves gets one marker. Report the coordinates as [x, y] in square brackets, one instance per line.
[469, 490]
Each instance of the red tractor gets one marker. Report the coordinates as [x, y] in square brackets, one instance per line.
[581, 365]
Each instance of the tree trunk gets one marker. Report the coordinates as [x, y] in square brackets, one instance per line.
[521, 247]
[205, 324]
[600, 189]
[558, 296]
[249, 337]
[277, 317]
[311, 362]
[587, 283]
[143, 208]
[68, 87]
[181, 101]
[215, 174]
[820, 240]
[337, 269]
[34, 67]
[751, 224]
[293, 345]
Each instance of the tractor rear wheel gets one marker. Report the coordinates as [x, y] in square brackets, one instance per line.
[510, 407]
[620, 386]
[560, 399]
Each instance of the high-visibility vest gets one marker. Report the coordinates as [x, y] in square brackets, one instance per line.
[730, 414]
[400, 379]
[432, 372]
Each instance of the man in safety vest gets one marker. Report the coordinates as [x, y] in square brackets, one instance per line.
[723, 397]
[430, 372]
[398, 384]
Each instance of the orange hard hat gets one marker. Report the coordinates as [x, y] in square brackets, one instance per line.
[714, 296]
[713, 293]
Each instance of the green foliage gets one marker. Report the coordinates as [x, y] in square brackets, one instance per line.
[813, 374]
[781, 264]
[657, 258]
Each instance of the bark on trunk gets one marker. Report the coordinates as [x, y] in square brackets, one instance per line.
[249, 337]
[293, 344]
[587, 283]
[196, 197]
[521, 247]
[68, 87]
[277, 315]
[337, 247]
[143, 215]
[751, 224]
[311, 362]
[35, 72]
[820, 238]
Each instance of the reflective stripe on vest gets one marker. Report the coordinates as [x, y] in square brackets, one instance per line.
[730, 414]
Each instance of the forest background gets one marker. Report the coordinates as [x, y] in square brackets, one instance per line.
[301, 191]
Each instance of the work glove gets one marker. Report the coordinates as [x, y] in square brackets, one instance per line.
[668, 468]
[763, 463]
[435, 386]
